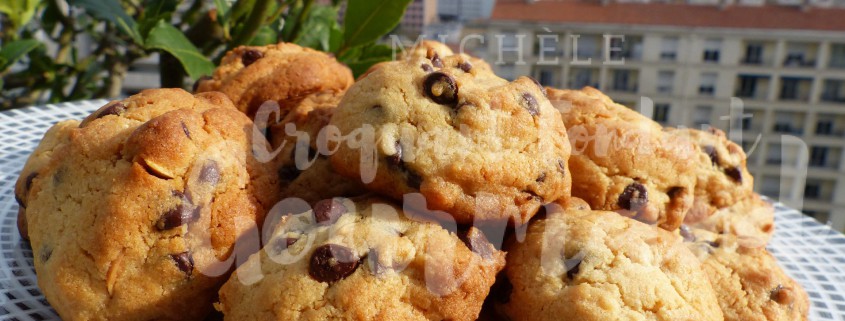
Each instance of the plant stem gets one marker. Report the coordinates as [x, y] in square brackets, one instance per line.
[254, 22]
[300, 20]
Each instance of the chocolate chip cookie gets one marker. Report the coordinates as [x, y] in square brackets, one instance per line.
[751, 220]
[303, 165]
[473, 144]
[623, 161]
[362, 260]
[722, 177]
[131, 213]
[596, 265]
[749, 284]
[37, 162]
[284, 73]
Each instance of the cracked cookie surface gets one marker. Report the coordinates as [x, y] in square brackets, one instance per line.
[596, 265]
[751, 221]
[136, 204]
[304, 169]
[720, 170]
[362, 260]
[284, 73]
[749, 284]
[623, 161]
[475, 145]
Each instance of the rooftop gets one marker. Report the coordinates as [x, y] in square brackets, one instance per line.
[672, 14]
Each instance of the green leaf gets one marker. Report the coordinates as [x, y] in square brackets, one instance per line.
[167, 38]
[12, 51]
[265, 36]
[155, 10]
[19, 11]
[361, 58]
[367, 20]
[110, 10]
[223, 10]
[319, 26]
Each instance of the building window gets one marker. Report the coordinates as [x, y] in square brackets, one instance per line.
[837, 56]
[661, 113]
[622, 80]
[707, 83]
[669, 48]
[712, 47]
[789, 88]
[507, 71]
[547, 77]
[754, 54]
[665, 80]
[824, 127]
[774, 154]
[745, 123]
[812, 190]
[747, 86]
[818, 156]
[701, 115]
[582, 77]
[832, 90]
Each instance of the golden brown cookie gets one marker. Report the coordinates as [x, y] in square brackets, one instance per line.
[474, 145]
[309, 174]
[624, 162]
[749, 284]
[284, 73]
[751, 220]
[363, 260]
[129, 212]
[722, 177]
[596, 265]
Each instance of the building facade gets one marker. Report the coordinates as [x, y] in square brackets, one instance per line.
[772, 76]
[464, 10]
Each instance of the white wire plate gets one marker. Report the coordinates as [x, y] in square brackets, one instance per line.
[810, 252]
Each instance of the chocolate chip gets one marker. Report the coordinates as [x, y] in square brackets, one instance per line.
[634, 197]
[250, 56]
[712, 153]
[210, 173]
[331, 263]
[116, 109]
[441, 88]
[780, 294]
[465, 66]
[714, 244]
[426, 68]
[289, 173]
[541, 178]
[182, 214]
[687, 234]
[396, 159]
[327, 211]
[435, 60]
[184, 262]
[502, 289]
[199, 81]
[281, 244]
[561, 166]
[185, 130]
[530, 103]
[735, 173]
[46, 253]
[573, 266]
[477, 243]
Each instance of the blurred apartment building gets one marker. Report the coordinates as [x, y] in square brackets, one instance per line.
[785, 60]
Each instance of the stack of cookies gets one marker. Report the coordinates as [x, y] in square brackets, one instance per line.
[428, 189]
